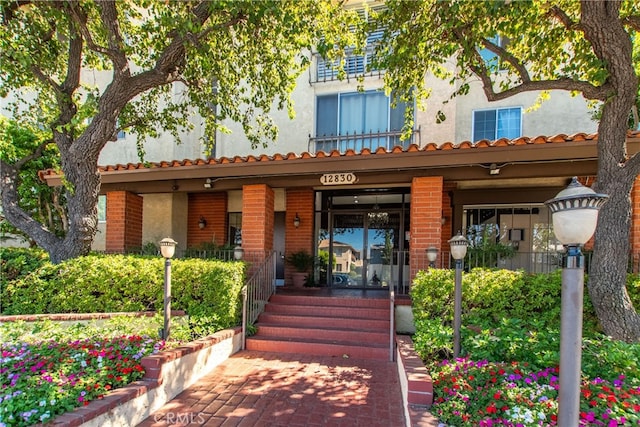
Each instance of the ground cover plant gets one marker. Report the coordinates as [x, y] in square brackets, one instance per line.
[48, 369]
[508, 375]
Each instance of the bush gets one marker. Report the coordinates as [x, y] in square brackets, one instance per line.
[117, 283]
[511, 316]
[16, 263]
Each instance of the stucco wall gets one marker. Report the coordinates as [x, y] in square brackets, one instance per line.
[165, 216]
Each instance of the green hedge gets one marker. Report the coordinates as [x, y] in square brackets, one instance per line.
[207, 289]
[511, 316]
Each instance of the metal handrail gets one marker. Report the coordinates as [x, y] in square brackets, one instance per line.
[358, 141]
[392, 327]
[256, 292]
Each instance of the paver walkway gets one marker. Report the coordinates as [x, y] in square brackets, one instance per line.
[274, 389]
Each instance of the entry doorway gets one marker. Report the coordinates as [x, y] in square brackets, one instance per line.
[362, 243]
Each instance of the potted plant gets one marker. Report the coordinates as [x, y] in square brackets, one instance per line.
[302, 261]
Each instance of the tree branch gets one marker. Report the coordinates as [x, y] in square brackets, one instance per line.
[633, 21]
[81, 19]
[504, 55]
[588, 90]
[564, 19]
[109, 16]
[36, 153]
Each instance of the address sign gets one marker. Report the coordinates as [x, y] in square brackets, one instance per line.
[338, 178]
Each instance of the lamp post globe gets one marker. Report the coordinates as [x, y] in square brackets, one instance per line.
[574, 214]
[168, 247]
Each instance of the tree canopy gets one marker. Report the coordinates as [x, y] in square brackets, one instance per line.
[231, 60]
[508, 47]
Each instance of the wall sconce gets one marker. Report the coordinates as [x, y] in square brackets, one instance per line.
[208, 183]
[296, 221]
[443, 220]
[202, 223]
[494, 169]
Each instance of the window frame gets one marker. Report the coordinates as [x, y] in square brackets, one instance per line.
[495, 130]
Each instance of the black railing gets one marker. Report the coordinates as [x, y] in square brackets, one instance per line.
[360, 141]
[257, 290]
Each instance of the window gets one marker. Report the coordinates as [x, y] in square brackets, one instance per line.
[235, 228]
[102, 208]
[357, 120]
[122, 134]
[498, 123]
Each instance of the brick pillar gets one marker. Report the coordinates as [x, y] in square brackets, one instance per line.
[257, 218]
[213, 208]
[426, 220]
[124, 221]
[300, 202]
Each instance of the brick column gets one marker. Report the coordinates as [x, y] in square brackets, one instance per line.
[426, 220]
[257, 218]
[300, 202]
[213, 208]
[124, 221]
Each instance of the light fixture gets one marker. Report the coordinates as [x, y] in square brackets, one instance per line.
[458, 251]
[208, 183]
[296, 221]
[238, 253]
[574, 213]
[494, 169]
[432, 255]
[202, 223]
[167, 249]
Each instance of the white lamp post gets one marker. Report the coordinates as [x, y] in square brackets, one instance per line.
[167, 249]
[432, 255]
[458, 251]
[574, 212]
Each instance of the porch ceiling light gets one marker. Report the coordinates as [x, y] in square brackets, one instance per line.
[208, 183]
[168, 247]
[459, 245]
[574, 211]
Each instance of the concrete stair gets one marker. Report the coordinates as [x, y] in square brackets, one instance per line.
[324, 326]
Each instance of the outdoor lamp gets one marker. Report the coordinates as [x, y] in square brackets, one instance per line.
[167, 249]
[296, 221]
[432, 255]
[202, 223]
[238, 253]
[574, 214]
[458, 245]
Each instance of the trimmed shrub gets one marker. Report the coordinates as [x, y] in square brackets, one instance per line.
[117, 283]
[511, 316]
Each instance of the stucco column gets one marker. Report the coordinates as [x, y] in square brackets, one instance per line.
[124, 221]
[426, 220]
[257, 218]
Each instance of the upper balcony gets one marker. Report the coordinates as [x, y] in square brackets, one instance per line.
[360, 141]
[355, 66]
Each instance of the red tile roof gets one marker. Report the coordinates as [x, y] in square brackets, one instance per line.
[464, 145]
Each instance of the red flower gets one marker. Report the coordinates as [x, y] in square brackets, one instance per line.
[491, 409]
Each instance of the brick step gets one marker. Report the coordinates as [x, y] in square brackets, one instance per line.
[329, 311]
[318, 347]
[330, 301]
[324, 322]
[348, 335]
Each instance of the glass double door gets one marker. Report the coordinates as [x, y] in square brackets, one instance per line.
[364, 248]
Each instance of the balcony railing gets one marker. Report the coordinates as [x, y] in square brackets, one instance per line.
[359, 141]
[354, 66]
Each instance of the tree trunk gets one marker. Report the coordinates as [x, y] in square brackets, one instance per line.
[616, 172]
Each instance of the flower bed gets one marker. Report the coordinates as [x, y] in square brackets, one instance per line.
[46, 379]
[486, 394]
